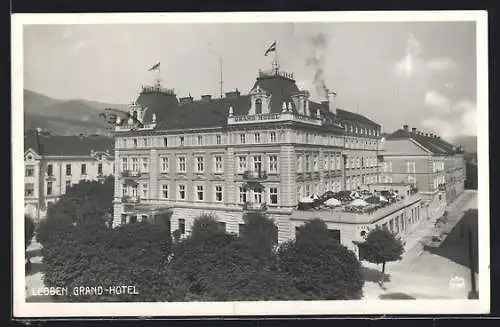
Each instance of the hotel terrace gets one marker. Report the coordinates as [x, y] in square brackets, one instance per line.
[262, 151]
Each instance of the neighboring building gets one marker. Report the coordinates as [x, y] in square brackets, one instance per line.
[260, 151]
[54, 163]
[435, 166]
[471, 171]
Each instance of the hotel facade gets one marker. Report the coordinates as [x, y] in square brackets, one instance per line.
[54, 163]
[262, 151]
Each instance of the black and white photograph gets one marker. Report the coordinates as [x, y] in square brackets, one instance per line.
[248, 164]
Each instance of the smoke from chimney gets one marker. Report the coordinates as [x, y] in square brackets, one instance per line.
[317, 61]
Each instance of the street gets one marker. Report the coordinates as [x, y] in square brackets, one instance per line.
[440, 271]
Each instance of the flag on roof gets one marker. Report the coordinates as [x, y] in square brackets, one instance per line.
[271, 48]
[155, 67]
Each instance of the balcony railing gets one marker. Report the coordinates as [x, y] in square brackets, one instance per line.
[254, 206]
[131, 173]
[251, 175]
[130, 199]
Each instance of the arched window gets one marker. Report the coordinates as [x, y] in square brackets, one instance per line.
[258, 106]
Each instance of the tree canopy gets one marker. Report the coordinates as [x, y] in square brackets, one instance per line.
[29, 230]
[321, 267]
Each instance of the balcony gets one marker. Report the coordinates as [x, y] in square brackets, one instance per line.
[254, 206]
[131, 173]
[130, 199]
[251, 175]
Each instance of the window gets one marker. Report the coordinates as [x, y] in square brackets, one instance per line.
[258, 106]
[99, 168]
[199, 164]
[49, 188]
[181, 140]
[199, 192]
[135, 164]
[29, 171]
[308, 190]
[164, 164]
[242, 164]
[182, 226]
[334, 234]
[315, 162]
[273, 137]
[325, 162]
[145, 165]
[299, 163]
[165, 141]
[391, 226]
[124, 164]
[338, 163]
[256, 137]
[200, 140]
[218, 139]
[29, 189]
[243, 194]
[134, 143]
[241, 229]
[144, 191]
[144, 218]
[145, 142]
[218, 193]
[257, 193]
[273, 164]
[124, 190]
[181, 167]
[257, 163]
[50, 170]
[307, 163]
[273, 195]
[134, 191]
[222, 226]
[164, 191]
[242, 138]
[68, 184]
[182, 192]
[84, 169]
[124, 219]
[218, 164]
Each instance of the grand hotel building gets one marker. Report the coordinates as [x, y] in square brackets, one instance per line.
[260, 151]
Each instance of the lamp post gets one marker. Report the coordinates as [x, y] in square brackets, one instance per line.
[473, 294]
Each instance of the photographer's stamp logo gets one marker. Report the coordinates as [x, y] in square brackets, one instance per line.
[457, 283]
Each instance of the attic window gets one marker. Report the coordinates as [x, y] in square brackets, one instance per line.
[258, 106]
[30, 157]
[352, 129]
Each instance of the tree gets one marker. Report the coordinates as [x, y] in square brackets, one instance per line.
[29, 230]
[321, 268]
[260, 232]
[381, 246]
[205, 226]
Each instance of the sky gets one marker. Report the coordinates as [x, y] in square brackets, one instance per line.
[418, 73]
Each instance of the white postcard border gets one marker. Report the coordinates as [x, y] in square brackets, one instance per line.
[23, 309]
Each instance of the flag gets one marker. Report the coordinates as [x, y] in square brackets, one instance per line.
[271, 48]
[155, 67]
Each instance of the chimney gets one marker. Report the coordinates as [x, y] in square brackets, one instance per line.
[206, 98]
[405, 128]
[185, 100]
[233, 94]
[331, 102]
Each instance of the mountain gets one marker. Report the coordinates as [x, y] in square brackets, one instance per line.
[65, 117]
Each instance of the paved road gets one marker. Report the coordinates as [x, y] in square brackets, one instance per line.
[426, 272]
[34, 278]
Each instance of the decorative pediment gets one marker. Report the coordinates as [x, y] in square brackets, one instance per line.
[31, 156]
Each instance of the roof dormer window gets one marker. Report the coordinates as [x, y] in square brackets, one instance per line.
[258, 106]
